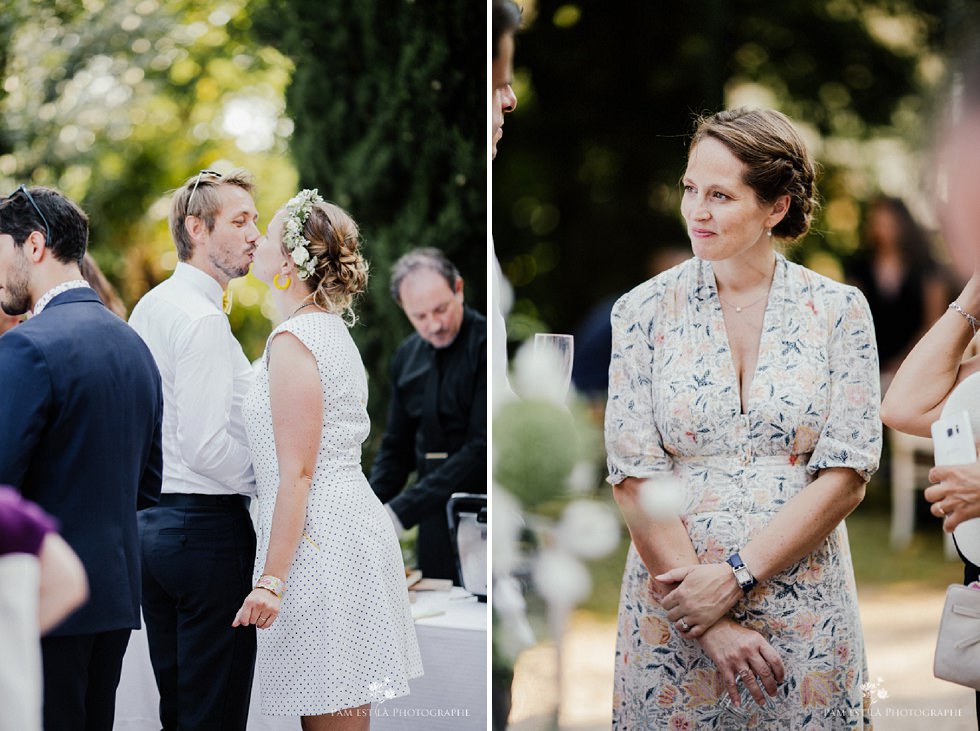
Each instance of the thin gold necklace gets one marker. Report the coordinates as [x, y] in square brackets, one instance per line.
[753, 303]
[744, 307]
[302, 306]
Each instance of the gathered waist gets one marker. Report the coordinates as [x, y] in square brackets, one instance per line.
[733, 484]
[744, 459]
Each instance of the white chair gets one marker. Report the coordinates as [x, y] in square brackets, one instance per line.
[907, 475]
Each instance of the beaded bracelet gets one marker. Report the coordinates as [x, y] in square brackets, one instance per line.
[271, 583]
[974, 323]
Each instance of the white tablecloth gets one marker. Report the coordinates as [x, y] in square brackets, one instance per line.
[451, 696]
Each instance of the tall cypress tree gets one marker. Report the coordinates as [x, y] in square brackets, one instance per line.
[388, 98]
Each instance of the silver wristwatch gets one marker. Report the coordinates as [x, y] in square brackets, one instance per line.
[746, 581]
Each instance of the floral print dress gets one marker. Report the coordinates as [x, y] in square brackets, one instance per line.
[674, 406]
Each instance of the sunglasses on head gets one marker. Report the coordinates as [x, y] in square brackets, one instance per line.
[30, 199]
[197, 181]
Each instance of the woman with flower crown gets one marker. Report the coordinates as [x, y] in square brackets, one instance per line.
[330, 594]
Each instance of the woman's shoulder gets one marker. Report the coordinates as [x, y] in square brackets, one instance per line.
[318, 331]
[312, 324]
[650, 294]
[813, 285]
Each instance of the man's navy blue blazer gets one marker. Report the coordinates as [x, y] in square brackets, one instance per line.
[81, 405]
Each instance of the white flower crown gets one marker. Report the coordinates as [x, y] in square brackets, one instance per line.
[298, 210]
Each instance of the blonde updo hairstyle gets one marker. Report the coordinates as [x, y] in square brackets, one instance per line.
[341, 272]
[776, 161]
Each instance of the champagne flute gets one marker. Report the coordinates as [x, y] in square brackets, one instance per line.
[563, 348]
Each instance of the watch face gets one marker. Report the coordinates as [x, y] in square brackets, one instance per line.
[743, 576]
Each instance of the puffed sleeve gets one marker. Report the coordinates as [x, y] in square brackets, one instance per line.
[633, 444]
[851, 436]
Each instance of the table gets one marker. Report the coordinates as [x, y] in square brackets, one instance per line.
[451, 696]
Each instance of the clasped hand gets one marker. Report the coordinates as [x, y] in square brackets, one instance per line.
[698, 596]
[743, 654]
[261, 607]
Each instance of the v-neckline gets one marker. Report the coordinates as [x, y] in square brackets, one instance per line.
[744, 409]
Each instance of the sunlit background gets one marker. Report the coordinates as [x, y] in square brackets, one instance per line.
[586, 201]
[380, 105]
[585, 181]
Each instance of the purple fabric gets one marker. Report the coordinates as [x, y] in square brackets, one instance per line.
[23, 524]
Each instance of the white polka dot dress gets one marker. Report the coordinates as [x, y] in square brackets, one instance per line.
[344, 636]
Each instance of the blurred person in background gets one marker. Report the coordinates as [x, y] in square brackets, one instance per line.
[733, 385]
[906, 289]
[941, 364]
[508, 600]
[437, 416]
[593, 335]
[506, 20]
[97, 281]
[42, 582]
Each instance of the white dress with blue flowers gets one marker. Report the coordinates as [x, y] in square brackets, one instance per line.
[674, 406]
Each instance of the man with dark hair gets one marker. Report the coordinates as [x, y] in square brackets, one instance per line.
[199, 544]
[80, 413]
[437, 419]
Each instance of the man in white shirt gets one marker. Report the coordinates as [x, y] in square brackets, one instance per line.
[199, 544]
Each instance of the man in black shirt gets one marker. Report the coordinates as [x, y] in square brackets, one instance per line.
[437, 420]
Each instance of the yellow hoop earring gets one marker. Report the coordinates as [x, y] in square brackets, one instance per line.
[277, 285]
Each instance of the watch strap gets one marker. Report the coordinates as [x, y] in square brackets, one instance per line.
[743, 576]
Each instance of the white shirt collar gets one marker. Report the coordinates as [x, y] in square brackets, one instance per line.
[55, 291]
[200, 280]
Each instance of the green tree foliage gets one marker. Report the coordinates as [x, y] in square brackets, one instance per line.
[389, 103]
[117, 102]
[585, 181]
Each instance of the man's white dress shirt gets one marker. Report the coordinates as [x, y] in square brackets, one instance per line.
[205, 377]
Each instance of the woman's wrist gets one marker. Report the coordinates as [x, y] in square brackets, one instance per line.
[753, 563]
[272, 584]
[972, 321]
[969, 298]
